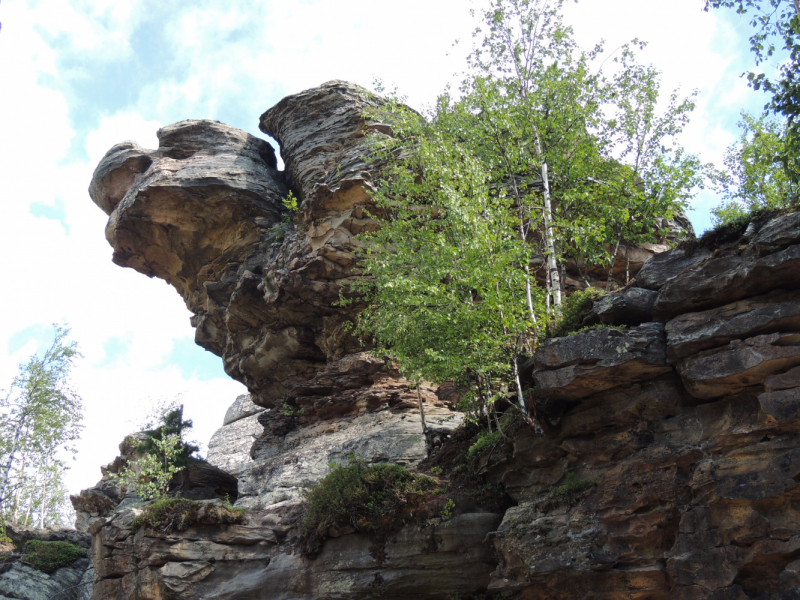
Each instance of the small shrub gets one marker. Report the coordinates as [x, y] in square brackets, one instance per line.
[573, 310]
[483, 442]
[167, 514]
[51, 556]
[572, 485]
[364, 497]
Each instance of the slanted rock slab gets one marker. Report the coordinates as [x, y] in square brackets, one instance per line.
[586, 363]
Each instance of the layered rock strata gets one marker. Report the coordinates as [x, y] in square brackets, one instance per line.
[683, 481]
[669, 470]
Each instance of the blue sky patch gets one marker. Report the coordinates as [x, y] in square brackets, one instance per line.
[41, 334]
[56, 211]
[193, 361]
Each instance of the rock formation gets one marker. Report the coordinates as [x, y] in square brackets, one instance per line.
[671, 463]
[20, 580]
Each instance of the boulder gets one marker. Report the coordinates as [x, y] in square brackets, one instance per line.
[577, 366]
[204, 212]
[727, 278]
[665, 266]
[693, 332]
[631, 306]
[203, 481]
[21, 581]
[229, 447]
[241, 408]
[739, 365]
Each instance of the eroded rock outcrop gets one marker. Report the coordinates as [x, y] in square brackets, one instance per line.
[671, 468]
[21, 580]
[684, 486]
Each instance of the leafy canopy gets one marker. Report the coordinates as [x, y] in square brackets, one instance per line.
[540, 157]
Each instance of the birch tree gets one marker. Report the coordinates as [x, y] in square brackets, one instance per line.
[40, 418]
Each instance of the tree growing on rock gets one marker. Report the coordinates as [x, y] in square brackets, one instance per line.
[540, 156]
[40, 418]
[163, 452]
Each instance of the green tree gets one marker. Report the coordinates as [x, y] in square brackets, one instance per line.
[755, 178]
[776, 22]
[539, 156]
[163, 452]
[40, 418]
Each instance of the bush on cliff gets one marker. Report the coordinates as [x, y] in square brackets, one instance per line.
[179, 514]
[51, 556]
[358, 497]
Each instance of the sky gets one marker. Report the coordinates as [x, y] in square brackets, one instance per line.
[77, 76]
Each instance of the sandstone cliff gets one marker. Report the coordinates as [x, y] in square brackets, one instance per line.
[670, 468]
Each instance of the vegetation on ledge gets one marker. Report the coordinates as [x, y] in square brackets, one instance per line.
[167, 514]
[360, 497]
[51, 556]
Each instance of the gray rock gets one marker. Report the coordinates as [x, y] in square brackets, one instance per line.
[242, 407]
[631, 306]
[783, 381]
[22, 582]
[229, 448]
[739, 365]
[586, 363]
[696, 331]
[285, 466]
[666, 266]
[728, 278]
[777, 234]
[782, 404]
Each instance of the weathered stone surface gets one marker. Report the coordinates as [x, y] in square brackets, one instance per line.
[287, 462]
[20, 581]
[230, 445]
[689, 502]
[241, 408]
[781, 404]
[727, 278]
[631, 306]
[583, 364]
[206, 216]
[667, 265]
[636, 491]
[256, 560]
[696, 331]
[740, 364]
[204, 481]
[777, 234]
[783, 381]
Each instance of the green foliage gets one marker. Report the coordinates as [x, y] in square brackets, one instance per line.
[755, 179]
[172, 424]
[291, 205]
[574, 309]
[288, 410]
[362, 496]
[51, 556]
[166, 514]
[572, 485]
[484, 441]
[540, 154]
[40, 417]
[153, 472]
[776, 21]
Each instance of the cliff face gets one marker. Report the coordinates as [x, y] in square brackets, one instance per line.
[670, 469]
